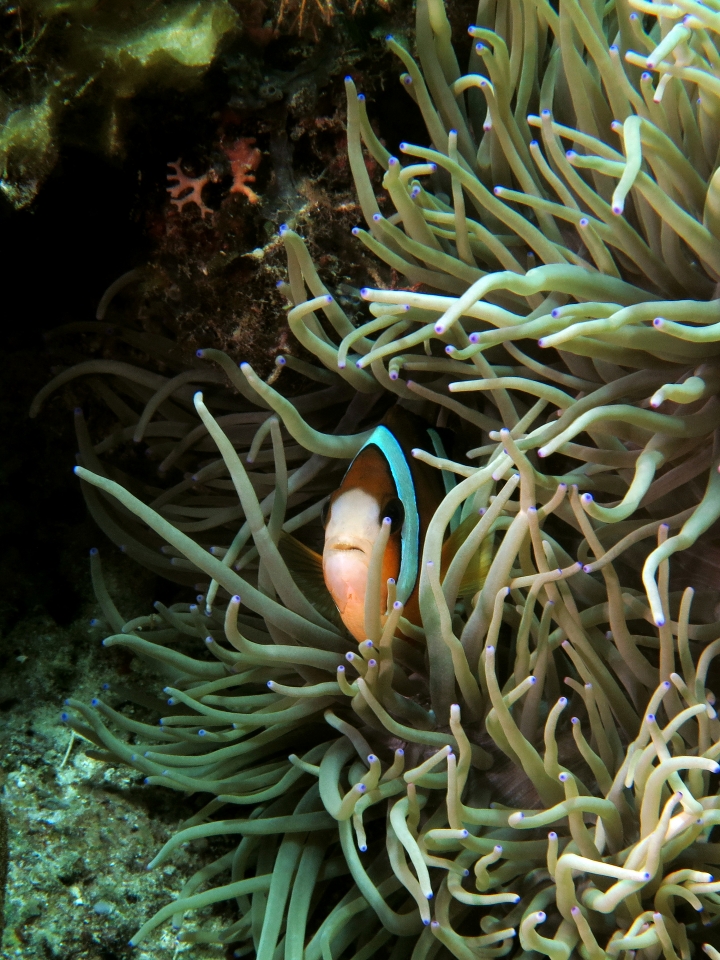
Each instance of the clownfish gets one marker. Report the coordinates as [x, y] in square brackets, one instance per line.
[384, 480]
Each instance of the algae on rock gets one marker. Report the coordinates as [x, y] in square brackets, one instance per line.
[83, 54]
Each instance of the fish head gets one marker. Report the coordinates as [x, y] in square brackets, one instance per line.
[384, 480]
[353, 523]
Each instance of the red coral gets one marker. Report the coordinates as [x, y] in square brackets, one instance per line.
[243, 157]
[193, 184]
[255, 26]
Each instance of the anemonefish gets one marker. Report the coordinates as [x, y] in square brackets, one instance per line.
[384, 480]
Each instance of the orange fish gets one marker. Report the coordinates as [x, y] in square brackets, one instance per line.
[383, 481]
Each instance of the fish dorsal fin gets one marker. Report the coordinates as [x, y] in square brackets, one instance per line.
[477, 569]
[306, 567]
[388, 444]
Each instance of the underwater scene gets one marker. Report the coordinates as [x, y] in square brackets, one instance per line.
[360, 480]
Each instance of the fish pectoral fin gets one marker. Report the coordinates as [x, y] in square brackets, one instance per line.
[457, 538]
[474, 576]
[298, 554]
[306, 568]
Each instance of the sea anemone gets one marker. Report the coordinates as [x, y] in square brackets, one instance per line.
[399, 791]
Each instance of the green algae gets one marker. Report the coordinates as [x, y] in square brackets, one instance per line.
[84, 55]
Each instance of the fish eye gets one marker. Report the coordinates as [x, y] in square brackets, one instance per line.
[396, 511]
[325, 512]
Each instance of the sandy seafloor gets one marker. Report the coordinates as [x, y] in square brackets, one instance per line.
[81, 832]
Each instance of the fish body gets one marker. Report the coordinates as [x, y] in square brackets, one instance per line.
[384, 480]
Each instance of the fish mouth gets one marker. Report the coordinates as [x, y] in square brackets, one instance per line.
[347, 544]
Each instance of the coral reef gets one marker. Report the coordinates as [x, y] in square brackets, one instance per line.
[395, 795]
[244, 158]
[79, 73]
[80, 53]
[305, 16]
[185, 190]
